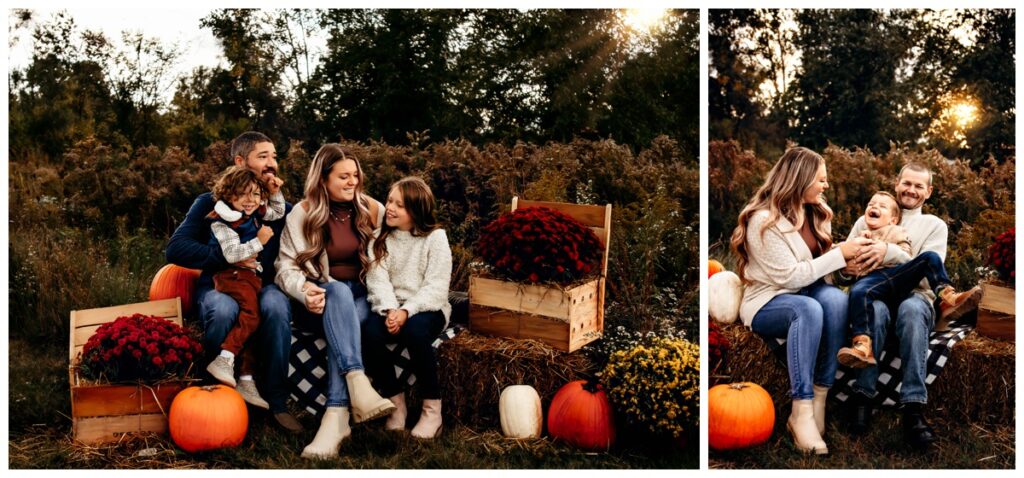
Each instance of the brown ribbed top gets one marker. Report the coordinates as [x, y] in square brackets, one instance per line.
[342, 242]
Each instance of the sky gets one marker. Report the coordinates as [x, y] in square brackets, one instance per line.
[199, 47]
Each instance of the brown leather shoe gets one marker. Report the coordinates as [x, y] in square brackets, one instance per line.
[288, 422]
[954, 305]
[859, 355]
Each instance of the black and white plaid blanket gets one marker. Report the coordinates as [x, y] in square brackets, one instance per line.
[307, 363]
[890, 377]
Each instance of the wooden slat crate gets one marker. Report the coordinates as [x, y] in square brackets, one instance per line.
[565, 319]
[101, 413]
[996, 313]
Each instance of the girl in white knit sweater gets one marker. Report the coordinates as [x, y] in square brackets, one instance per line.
[407, 280]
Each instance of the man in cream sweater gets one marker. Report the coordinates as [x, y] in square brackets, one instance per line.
[915, 316]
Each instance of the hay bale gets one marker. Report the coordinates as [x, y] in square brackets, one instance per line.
[750, 360]
[978, 383]
[474, 369]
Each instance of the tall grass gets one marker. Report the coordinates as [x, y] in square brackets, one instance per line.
[55, 271]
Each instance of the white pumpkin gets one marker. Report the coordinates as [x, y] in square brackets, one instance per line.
[520, 412]
[725, 291]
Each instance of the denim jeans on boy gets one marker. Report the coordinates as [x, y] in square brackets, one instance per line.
[218, 313]
[914, 319]
[891, 285]
[345, 309]
[813, 322]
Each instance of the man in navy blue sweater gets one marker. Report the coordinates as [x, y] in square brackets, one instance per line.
[190, 247]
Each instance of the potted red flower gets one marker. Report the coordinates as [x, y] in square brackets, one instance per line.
[546, 266]
[138, 347]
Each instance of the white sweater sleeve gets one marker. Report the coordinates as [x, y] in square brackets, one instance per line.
[290, 277]
[777, 260]
[433, 292]
[275, 207]
[380, 293]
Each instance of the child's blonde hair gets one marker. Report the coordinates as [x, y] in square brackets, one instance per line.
[897, 212]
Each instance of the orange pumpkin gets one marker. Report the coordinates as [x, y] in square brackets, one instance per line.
[581, 416]
[714, 267]
[174, 281]
[208, 418]
[740, 415]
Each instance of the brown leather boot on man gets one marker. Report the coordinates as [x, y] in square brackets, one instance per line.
[953, 305]
[859, 355]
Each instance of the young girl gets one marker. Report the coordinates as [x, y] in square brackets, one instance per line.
[410, 267]
[236, 228]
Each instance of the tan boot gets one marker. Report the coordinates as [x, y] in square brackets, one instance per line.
[859, 355]
[805, 433]
[429, 424]
[820, 396]
[333, 430]
[955, 304]
[396, 421]
[367, 404]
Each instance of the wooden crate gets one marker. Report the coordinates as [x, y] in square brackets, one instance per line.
[101, 413]
[996, 313]
[565, 319]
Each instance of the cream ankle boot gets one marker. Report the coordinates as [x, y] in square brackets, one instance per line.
[367, 404]
[805, 432]
[820, 397]
[396, 421]
[333, 429]
[429, 424]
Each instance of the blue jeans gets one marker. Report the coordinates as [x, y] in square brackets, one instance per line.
[914, 320]
[345, 309]
[891, 285]
[218, 313]
[813, 322]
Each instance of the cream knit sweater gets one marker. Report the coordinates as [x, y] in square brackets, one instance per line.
[413, 276]
[290, 277]
[780, 263]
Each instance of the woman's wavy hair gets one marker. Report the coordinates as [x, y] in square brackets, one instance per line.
[418, 200]
[782, 196]
[315, 228]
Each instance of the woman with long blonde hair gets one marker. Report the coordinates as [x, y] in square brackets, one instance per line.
[783, 245]
[322, 265]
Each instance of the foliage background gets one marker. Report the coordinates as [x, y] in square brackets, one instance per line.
[870, 90]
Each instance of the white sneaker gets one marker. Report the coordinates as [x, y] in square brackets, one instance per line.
[247, 389]
[223, 369]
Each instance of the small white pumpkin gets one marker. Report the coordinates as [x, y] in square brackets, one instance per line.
[725, 291]
[520, 412]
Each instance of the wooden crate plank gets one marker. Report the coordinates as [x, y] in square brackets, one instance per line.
[587, 214]
[111, 400]
[997, 299]
[531, 299]
[105, 429]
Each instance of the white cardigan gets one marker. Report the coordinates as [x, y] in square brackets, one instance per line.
[780, 263]
[413, 276]
[290, 277]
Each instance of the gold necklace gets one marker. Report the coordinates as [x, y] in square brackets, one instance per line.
[340, 221]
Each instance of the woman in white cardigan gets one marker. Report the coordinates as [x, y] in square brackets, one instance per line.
[784, 250]
[322, 265]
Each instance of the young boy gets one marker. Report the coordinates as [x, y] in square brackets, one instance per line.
[235, 226]
[882, 217]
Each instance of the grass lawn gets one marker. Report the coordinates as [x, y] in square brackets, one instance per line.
[40, 437]
[960, 445]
